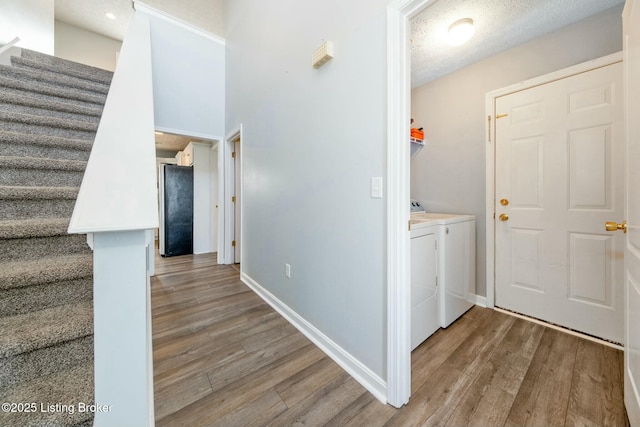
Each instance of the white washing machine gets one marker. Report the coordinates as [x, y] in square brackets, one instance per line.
[424, 279]
[456, 262]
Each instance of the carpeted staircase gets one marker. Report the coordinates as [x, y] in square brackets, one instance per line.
[49, 113]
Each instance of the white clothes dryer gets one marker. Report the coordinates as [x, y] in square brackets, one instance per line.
[456, 263]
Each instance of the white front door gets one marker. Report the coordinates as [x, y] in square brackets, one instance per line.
[631, 33]
[559, 177]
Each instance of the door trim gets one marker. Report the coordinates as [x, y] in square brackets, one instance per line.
[398, 342]
[226, 216]
[490, 102]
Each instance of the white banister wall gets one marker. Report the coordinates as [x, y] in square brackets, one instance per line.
[117, 208]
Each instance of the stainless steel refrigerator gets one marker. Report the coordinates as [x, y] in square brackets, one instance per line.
[176, 210]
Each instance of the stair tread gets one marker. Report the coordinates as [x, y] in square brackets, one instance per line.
[47, 76]
[67, 387]
[27, 332]
[30, 119]
[40, 163]
[15, 97]
[18, 137]
[53, 90]
[33, 227]
[22, 273]
[38, 193]
[67, 66]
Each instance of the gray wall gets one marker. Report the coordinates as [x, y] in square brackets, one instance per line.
[448, 174]
[86, 47]
[312, 139]
[188, 81]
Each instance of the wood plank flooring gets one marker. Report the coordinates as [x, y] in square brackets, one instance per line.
[223, 357]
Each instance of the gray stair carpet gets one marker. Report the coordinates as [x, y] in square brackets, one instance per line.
[49, 113]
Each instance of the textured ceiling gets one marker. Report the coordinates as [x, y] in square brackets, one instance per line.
[499, 25]
[89, 14]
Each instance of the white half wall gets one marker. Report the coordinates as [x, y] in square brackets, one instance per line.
[86, 47]
[312, 140]
[448, 174]
[31, 20]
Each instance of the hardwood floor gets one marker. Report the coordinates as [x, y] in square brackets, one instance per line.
[223, 357]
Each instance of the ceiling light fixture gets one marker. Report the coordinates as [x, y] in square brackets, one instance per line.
[110, 15]
[460, 32]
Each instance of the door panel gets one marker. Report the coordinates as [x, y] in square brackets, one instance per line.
[631, 37]
[560, 163]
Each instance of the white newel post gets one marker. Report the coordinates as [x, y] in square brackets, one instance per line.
[123, 351]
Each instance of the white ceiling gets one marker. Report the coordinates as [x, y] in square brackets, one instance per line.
[499, 25]
[206, 15]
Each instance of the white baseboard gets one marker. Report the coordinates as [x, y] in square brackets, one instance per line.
[369, 380]
[479, 300]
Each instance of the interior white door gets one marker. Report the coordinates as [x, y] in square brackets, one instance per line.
[238, 195]
[559, 177]
[631, 33]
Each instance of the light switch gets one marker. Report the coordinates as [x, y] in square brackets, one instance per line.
[376, 187]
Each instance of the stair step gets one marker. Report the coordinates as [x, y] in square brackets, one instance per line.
[36, 243]
[63, 128]
[40, 329]
[68, 67]
[33, 227]
[16, 100]
[45, 270]
[55, 93]
[34, 75]
[17, 144]
[24, 299]
[68, 387]
[33, 171]
[41, 202]
[27, 366]
[22, 138]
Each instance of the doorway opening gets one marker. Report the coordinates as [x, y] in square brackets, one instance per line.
[230, 201]
[200, 154]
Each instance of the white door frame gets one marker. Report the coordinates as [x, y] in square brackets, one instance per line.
[399, 12]
[490, 100]
[226, 217]
[630, 17]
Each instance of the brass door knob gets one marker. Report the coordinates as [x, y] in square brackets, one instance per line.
[504, 202]
[504, 217]
[614, 226]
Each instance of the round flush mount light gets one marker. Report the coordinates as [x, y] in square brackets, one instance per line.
[460, 32]
[110, 15]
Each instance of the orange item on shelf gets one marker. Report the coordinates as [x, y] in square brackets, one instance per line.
[417, 133]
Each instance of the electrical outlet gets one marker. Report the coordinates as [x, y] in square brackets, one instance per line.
[287, 271]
